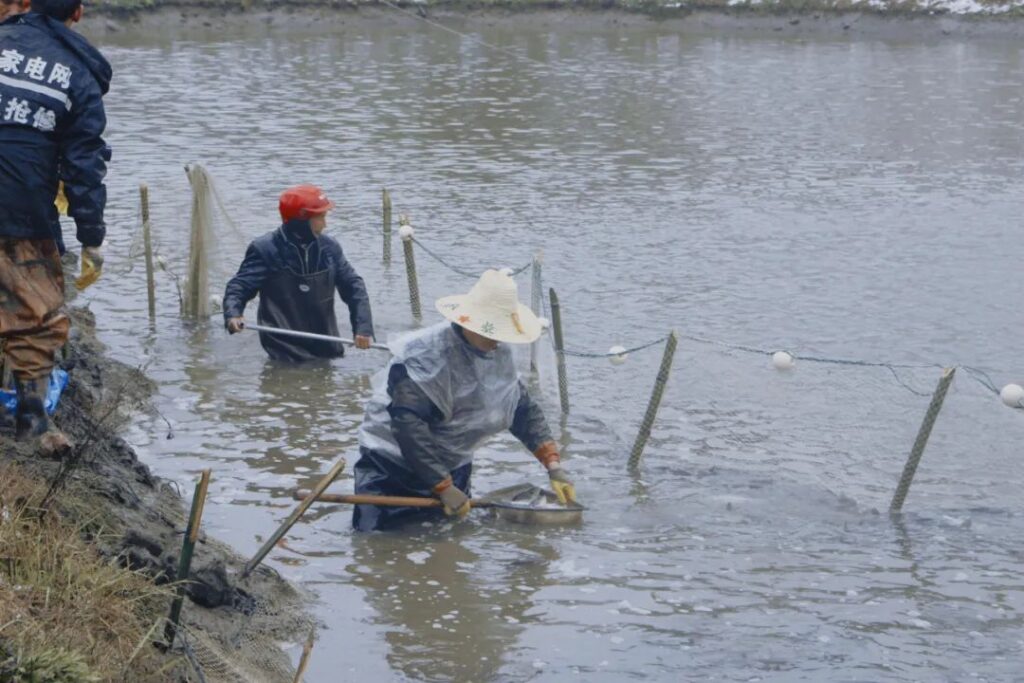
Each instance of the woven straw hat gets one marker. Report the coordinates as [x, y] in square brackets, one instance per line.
[492, 310]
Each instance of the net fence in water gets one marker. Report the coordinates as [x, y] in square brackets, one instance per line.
[253, 652]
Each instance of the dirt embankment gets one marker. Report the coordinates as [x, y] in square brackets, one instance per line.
[89, 548]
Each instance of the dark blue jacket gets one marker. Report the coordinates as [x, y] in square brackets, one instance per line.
[274, 252]
[52, 83]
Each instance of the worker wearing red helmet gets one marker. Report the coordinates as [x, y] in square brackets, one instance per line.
[296, 270]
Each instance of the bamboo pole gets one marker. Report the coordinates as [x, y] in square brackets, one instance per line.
[185, 561]
[322, 485]
[386, 201]
[652, 406]
[406, 233]
[535, 303]
[147, 241]
[304, 660]
[910, 468]
[556, 322]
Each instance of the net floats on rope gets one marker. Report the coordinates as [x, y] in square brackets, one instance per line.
[1012, 396]
[617, 355]
[783, 360]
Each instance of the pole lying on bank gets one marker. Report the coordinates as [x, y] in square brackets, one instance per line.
[386, 200]
[147, 241]
[652, 406]
[321, 486]
[556, 323]
[405, 231]
[535, 303]
[187, 549]
[910, 468]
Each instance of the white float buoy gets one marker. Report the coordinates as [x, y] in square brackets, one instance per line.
[544, 323]
[618, 356]
[782, 360]
[161, 263]
[406, 232]
[1012, 395]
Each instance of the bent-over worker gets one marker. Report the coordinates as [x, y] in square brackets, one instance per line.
[447, 389]
[296, 270]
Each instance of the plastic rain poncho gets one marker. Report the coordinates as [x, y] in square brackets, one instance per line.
[476, 392]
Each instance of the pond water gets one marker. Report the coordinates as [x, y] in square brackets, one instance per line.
[836, 198]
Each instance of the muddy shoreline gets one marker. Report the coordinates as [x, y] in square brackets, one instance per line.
[135, 519]
[187, 21]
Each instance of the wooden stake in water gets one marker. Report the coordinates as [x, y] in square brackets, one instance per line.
[147, 241]
[387, 225]
[652, 406]
[405, 230]
[910, 468]
[535, 303]
[556, 323]
[307, 650]
[185, 561]
[294, 517]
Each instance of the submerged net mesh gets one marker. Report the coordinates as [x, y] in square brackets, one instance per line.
[250, 653]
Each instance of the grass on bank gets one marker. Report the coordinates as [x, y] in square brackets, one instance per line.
[67, 615]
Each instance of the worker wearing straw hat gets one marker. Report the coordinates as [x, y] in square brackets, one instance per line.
[447, 389]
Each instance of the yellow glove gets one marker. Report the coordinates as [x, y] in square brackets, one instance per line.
[561, 484]
[92, 267]
[456, 503]
[61, 202]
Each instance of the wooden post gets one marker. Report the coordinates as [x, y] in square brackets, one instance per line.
[147, 241]
[910, 468]
[304, 660]
[185, 561]
[556, 323]
[535, 303]
[294, 517]
[405, 231]
[652, 406]
[387, 225]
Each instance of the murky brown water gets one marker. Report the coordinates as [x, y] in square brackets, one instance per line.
[853, 199]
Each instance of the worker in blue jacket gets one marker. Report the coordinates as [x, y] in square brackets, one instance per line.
[52, 83]
[296, 270]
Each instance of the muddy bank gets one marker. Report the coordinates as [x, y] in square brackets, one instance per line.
[134, 520]
[890, 21]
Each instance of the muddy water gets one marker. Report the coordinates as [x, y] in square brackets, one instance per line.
[835, 198]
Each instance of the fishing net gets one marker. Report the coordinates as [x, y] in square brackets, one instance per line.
[251, 651]
[196, 289]
[211, 227]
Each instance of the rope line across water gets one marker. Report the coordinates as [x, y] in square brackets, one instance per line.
[458, 271]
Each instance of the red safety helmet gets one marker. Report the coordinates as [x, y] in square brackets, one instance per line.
[303, 201]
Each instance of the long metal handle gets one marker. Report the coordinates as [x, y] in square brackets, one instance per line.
[309, 335]
[386, 501]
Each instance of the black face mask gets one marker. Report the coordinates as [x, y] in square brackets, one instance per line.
[299, 230]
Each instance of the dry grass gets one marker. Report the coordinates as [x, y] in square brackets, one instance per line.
[67, 614]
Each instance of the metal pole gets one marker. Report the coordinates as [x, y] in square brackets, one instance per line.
[910, 468]
[387, 225]
[321, 486]
[308, 335]
[410, 267]
[147, 241]
[655, 402]
[185, 561]
[556, 322]
[535, 304]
